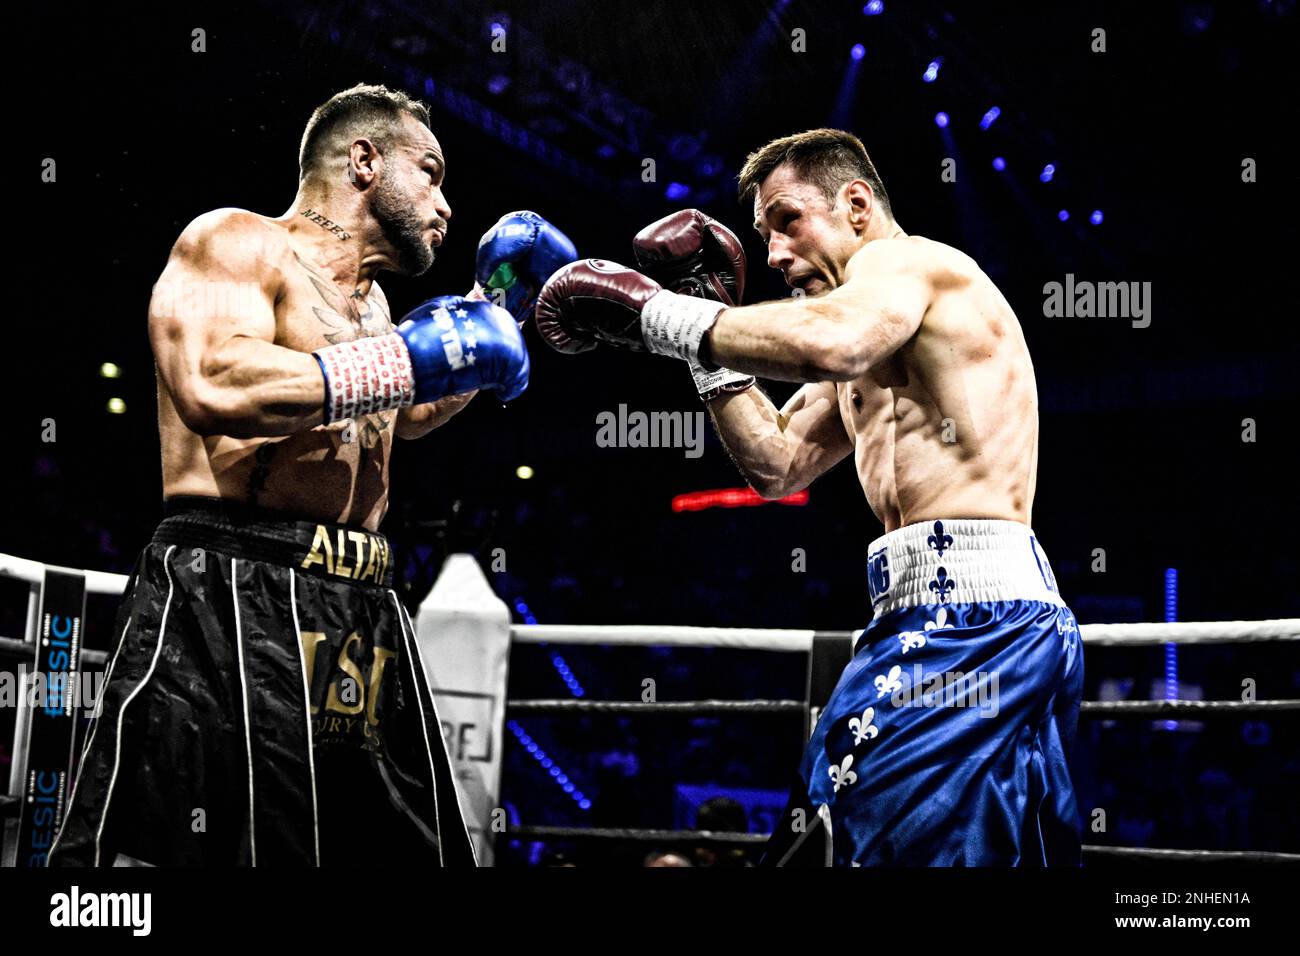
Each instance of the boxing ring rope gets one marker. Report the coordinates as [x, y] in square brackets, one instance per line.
[764, 639]
[1105, 635]
[33, 572]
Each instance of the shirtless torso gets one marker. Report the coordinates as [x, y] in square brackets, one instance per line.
[337, 473]
[939, 409]
[947, 426]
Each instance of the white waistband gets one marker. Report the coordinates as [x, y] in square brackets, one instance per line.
[959, 561]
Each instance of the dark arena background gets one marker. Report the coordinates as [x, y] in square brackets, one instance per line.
[1152, 153]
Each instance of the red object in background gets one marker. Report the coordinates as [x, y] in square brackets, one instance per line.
[732, 498]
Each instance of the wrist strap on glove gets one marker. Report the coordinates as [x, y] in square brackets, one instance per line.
[369, 375]
[674, 325]
[712, 384]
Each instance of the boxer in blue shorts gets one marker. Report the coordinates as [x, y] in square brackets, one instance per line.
[947, 739]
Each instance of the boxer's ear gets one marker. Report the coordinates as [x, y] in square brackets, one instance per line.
[861, 203]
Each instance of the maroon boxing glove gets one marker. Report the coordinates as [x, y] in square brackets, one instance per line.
[694, 254]
[594, 300]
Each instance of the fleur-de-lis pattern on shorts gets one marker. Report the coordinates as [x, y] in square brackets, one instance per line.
[886, 684]
[842, 776]
[942, 585]
[862, 727]
[912, 640]
[940, 621]
[939, 541]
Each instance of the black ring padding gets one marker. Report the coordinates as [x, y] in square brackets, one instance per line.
[1124, 708]
[564, 705]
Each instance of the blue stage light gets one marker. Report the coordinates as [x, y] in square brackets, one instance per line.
[1063, 215]
[566, 674]
[874, 9]
[858, 51]
[999, 163]
[1171, 649]
[931, 72]
[1096, 218]
[990, 117]
[527, 615]
[1048, 172]
[941, 120]
[677, 191]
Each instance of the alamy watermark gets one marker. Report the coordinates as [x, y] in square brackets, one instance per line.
[1083, 299]
[53, 692]
[636, 429]
[948, 689]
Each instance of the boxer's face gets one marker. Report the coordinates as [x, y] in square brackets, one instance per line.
[808, 238]
[407, 200]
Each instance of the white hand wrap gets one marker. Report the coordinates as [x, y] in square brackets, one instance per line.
[712, 384]
[366, 376]
[674, 325]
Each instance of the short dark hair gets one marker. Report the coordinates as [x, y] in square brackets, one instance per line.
[828, 158]
[371, 111]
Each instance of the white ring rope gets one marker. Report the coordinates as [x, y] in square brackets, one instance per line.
[766, 639]
[771, 639]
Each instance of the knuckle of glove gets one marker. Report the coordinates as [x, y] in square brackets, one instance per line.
[594, 300]
[724, 254]
[552, 251]
[693, 254]
[554, 332]
[675, 236]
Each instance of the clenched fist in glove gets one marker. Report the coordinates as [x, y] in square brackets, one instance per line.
[693, 254]
[690, 253]
[516, 257]
[594, 300]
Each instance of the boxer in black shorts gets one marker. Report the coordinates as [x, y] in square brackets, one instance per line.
[266, 704]
[265, 700]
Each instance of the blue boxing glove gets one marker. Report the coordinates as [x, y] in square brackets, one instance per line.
[517, 256]
[459, 344]
[445, 346]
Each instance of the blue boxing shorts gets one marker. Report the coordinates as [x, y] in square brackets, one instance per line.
[947, 740]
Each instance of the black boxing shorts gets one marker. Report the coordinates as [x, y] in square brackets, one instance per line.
[265, 704]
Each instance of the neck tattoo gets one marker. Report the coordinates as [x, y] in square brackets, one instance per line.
[327, 224]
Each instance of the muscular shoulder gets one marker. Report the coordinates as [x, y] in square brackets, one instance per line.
[233, 244]
[939, 265]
